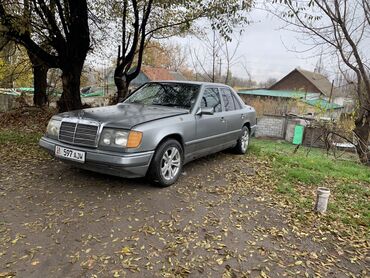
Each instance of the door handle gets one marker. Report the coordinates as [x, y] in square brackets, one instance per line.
[242, 116]
[222, 119]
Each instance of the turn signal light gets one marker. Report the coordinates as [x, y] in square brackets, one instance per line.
[134, 139]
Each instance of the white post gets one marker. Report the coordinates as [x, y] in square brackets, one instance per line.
[322, 199]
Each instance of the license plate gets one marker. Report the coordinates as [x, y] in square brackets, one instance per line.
[70, 154]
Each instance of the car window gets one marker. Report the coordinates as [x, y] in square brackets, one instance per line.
[228, 99]
[211, 98]
[179, 95]
[237, 102]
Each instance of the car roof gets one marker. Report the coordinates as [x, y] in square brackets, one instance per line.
[189, 82]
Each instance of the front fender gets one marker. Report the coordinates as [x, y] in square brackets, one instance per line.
[182, 126]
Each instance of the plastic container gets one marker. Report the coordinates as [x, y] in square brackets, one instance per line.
[322, 199]
[298, 134]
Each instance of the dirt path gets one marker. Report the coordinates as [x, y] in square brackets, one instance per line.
[217, 221]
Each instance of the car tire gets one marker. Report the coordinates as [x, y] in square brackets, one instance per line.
[243, 142]
[166, 165]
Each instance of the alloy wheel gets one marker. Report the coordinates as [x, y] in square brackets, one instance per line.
[170, 163]
[245, 140]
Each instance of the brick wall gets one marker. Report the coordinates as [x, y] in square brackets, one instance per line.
[270, 126]
[281, 127]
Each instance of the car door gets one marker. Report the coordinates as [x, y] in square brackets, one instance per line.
[210, 129]
[233, 114]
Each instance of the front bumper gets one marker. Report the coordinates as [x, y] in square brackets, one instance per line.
[107, 162]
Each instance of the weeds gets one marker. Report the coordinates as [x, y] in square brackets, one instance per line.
[298, 176]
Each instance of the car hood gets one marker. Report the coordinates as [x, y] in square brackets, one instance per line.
[124, 115]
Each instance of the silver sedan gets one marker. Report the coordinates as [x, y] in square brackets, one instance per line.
[154, 132]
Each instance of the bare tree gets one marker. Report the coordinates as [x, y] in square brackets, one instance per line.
[231, 58]
[343, 28]
[177, 57]
[142, 21]
[268, 83]
[216, 51]
[210, 51]
[250, 83]
[170, 56]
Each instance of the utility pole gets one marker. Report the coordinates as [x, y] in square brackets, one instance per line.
[213, 56]
[331, 90]
[220, 69]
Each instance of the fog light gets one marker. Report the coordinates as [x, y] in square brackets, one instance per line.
[106, 141]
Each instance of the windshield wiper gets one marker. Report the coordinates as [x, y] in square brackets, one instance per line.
[171, 105]
[165, 104]
[135, 102]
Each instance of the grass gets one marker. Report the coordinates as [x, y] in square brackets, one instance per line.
[18, 145]
[18, 137]
[298, 175]
[312, 168]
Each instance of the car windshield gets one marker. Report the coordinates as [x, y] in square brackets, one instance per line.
[179, 95]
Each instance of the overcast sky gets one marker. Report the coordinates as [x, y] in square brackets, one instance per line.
[266, 49]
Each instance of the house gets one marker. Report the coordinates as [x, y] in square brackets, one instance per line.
[300, 92]
[313, 82]
[148, 73]
[305, 81]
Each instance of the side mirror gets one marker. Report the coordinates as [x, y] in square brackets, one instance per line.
[205, 111]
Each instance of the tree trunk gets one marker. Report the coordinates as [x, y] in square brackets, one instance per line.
[122, 86]
[362, 131]
[40, 85]
[71, 98]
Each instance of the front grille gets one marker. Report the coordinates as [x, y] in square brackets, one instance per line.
[79, 134]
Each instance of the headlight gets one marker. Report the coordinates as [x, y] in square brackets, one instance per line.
[120, 138]
[52, 130]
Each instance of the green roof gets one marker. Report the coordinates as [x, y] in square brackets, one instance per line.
[9, 92]
[277, 93]
[98, 93]
[322, 103]
[313, 98]
[25, 89]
